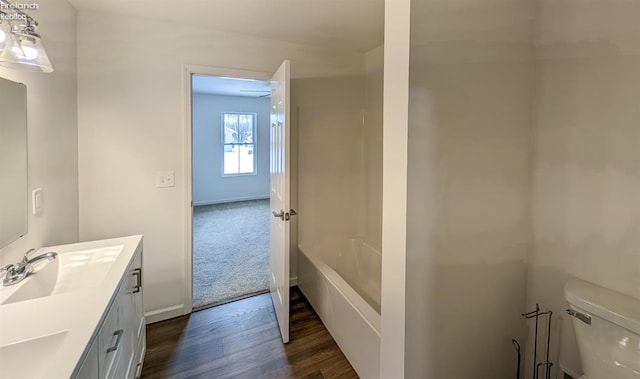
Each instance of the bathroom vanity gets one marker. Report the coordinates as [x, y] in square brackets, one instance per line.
[80, 315]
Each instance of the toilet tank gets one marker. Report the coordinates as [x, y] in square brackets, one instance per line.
[607, 327]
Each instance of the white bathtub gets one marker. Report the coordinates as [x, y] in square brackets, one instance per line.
[341, 279]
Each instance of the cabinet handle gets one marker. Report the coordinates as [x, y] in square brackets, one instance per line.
[118, 334]
[138, 273]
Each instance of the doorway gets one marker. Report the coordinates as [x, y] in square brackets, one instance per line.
[279, 168]
[230, 168]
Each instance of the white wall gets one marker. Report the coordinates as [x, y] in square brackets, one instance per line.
[586, 159]
[468, 220]
[130, 124]
[397, 19]
[51, 133]
[502, 122]
[209, 185]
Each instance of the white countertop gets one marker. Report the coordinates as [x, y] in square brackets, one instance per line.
[77, 312]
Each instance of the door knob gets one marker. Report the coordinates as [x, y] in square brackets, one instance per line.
[284, 216]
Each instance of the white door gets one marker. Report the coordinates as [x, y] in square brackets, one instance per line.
[281, 208]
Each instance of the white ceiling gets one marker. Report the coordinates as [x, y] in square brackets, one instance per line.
[230, 86]
[354, 24]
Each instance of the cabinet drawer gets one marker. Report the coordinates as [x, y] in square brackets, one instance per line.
[110, 337]
[139, 354]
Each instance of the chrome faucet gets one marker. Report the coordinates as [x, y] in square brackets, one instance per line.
[17, 272]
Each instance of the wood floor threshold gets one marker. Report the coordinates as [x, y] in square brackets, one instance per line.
[227, 301]
[241, 339]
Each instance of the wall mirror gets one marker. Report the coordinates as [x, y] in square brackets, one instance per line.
[13, 161]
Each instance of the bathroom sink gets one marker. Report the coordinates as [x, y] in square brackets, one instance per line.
[38, 284]
[70, 271]
[42, 350]
[85, 268]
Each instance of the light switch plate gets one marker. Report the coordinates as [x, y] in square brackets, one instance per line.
[165, 179]
[36, 201]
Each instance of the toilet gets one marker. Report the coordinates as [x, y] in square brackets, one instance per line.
[607, 328]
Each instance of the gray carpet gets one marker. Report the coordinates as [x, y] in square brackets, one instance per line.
[230, 251]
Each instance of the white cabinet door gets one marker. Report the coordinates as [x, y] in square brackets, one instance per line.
[132, 320]
[138, 304]
[116, 337]
[139, 323]
[127, 322]
[110, 338]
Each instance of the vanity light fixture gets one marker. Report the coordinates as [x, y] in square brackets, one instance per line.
[20, 44]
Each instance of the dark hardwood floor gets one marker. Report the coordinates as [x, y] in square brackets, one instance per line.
[242, 340]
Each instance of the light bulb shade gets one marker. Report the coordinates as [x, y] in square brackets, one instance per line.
[24, 52]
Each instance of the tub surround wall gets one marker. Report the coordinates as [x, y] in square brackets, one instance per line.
[586, 158]
[209, 185]
[52, 134]
[468, 219]
[339, 197]
[130, 125]
[330, 169]
[372, 147]
[340, 154]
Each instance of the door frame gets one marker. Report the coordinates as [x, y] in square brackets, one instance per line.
[188, 70]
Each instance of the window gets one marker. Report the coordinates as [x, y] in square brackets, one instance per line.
[239, 143]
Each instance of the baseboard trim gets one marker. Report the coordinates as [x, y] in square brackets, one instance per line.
[164, 314]
[233, 200]
[178, 310]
